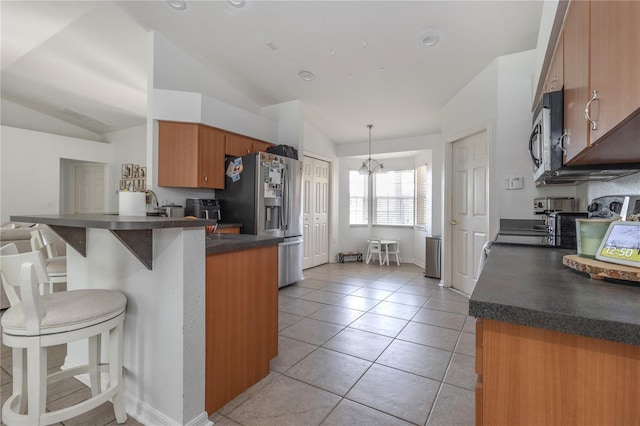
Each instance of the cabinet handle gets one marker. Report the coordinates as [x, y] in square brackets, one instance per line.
[551, 83]
[563, 137]
[206, 179]
[594, 126]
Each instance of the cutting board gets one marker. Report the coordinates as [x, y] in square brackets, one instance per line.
[599, 270]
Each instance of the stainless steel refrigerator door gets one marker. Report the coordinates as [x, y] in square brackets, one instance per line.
[290, 261]
[293, 200]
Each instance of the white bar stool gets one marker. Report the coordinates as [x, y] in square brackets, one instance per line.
[56, 265]
[41, 321]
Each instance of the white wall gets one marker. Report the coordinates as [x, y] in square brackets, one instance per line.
[355, 237]
[30, 171]
[129, 147]
[513, 127]
[15, 115]
[175, 69]
[627, 185]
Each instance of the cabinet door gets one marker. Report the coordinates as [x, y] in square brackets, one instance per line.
[615, 62]
[211, 158]
[555, 76]
[576, 77]
[259, 146]
[177, 154]
[238, 146]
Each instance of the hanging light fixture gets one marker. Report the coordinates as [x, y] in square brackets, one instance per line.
[371, 166]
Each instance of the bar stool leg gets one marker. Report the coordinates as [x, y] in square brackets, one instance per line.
[37, 377]
[115, 371]
[94, 363]
[20, 377]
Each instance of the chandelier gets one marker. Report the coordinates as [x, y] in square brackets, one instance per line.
[371, 166]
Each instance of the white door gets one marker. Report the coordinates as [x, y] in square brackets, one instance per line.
[89, 188]
[315, 212]
[307, 218]
[470, 204]
[320, 212]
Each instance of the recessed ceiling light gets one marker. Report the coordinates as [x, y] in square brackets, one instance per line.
[307, 75]
[429, 39]
[237, 3]
[177, 4]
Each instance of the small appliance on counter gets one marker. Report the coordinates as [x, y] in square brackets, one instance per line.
[172, 210]
[547, 205]
[562, 228]
[622, 207]
[203, 208]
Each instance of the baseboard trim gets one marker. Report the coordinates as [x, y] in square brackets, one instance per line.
[137, 409]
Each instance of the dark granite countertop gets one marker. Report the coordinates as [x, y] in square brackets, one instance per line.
[113, 221]
[530, 286]
[224, 243]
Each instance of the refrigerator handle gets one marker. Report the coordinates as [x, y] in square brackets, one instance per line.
[284, 213]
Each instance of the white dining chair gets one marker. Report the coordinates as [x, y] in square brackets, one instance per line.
[38, 321]
[375, 248]
[393, 249]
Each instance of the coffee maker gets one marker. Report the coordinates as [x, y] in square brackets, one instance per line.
[203, 208]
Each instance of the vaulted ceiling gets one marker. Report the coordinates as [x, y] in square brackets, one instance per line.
[86, 62]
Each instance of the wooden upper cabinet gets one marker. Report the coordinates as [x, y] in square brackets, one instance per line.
[190, 155]
[615, 63]
[601, 41]
[259, 146]
[555, 76]
[576, 77]
[238, 145]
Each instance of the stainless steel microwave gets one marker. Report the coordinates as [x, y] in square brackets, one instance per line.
[546, 149]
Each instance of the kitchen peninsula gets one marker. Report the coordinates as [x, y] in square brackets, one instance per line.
[553, 346]
[164, 266]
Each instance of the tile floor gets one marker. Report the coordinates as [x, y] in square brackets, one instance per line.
[358, 345]
[366, 345]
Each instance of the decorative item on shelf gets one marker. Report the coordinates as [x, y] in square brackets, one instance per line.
[371, 166]
[133, 178]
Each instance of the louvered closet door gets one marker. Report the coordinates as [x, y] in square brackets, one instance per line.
[316, 212]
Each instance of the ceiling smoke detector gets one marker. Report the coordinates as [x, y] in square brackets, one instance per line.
[177, 4]
[306, 75]
[429, 39]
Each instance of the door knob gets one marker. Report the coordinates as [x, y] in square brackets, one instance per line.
[453, 222]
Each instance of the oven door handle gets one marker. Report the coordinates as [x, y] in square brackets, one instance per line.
[536, 131]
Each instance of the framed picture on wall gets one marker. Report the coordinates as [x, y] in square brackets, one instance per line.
[142, 185]
[123, 184]
[135, 172]
[143, 172]
[126, 171]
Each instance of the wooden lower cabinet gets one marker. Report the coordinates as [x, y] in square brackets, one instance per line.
[531, 376]
[241, 321]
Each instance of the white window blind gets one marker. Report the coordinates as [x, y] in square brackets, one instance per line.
[358, 198]
[423, 198]
[393, 198]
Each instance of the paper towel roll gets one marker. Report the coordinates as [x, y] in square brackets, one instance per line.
[132, 204]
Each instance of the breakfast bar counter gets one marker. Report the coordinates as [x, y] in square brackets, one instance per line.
[554, 346]
[164, 328]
